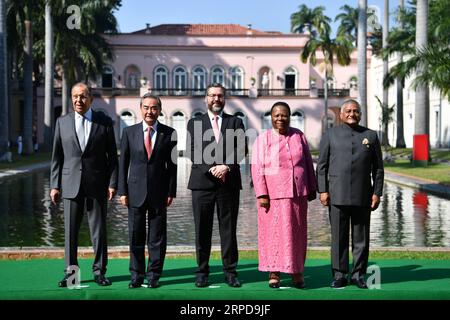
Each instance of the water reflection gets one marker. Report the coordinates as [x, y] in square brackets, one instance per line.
[406, 217]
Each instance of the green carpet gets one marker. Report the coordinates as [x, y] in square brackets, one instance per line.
[400, 280]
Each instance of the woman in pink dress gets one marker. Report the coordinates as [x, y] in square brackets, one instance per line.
[284, 181]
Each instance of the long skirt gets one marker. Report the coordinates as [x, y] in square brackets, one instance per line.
[282, 235]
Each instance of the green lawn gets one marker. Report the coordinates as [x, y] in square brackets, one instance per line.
[439, 172]
[25, 160]
[407, 152]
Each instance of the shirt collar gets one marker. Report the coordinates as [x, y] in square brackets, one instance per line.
[212, 115]
[145, 126]
[87, 115]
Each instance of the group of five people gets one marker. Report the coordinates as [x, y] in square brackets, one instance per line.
[86, 172]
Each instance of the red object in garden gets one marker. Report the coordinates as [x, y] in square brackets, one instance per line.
[420, 147]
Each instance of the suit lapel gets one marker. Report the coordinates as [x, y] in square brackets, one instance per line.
[159, 137]
[224, 126]
[138, 138]
[94, 127]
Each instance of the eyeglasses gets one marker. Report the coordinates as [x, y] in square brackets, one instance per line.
[213, 96]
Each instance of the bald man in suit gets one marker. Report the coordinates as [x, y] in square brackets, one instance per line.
[350, 178]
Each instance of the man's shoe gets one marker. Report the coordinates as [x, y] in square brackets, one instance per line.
[339, 283]
[153, 283]
[135, 284]
[101, 280]
[298, 281]
[360, 283]
[63, 282]
[201, 282]
[232, 281]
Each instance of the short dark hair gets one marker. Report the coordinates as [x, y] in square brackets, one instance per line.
[151, 96]
[216, 85]
[281, 104]
[82, 84]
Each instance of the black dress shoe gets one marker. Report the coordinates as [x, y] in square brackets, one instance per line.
[135, 284]
[339, 283]
[232, 281]
[299, 284]
[153, 283]
[101, 280]
[201, 282]
[360, 283]
[63, 282]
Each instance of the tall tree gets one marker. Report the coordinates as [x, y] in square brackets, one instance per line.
[49, 71]
[28, 81]
[362, 59]
[384, 132]
[4, 112]
[313, 21]
[338, 49]
[400, 142]
[422, 107]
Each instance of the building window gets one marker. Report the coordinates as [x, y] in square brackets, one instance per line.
[179, 124]
[180, 80]
[127, 118]
[197, 114]
[267, 121]
[162, 118]
[107, 77]
[199, 80]
[160, 83]
[237, 81]
[298, 120]
[290, 80]
[218, 75]
[132, 76]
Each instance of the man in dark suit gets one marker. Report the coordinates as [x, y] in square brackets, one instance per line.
[148, 183]
[216, 144]
[350, 157]
[84, 168]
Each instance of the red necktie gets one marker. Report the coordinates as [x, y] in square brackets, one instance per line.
[148, 142]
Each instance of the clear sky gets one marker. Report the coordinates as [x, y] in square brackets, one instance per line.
[264, 15]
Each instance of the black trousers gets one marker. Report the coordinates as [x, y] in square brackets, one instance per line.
[73, 214]
[156, 237]
[341, 217]
[226, 201]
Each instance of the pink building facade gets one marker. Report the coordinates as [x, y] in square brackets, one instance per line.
[258, 68]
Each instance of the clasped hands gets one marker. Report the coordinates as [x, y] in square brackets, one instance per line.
[219, 171]
[124, 201]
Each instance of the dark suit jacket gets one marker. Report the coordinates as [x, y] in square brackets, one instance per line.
[205, 153]
[348, 159]
[95, 168]
[139, 176]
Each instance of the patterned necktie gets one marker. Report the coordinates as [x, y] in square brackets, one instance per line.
[81, 133]
[216, 128]
[148, 142]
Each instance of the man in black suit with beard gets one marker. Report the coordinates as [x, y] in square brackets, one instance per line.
[217, 144]
[350, 178]
[147, 186]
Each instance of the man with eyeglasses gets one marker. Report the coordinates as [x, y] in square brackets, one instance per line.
[84, 173]
[216, 146]
[350, 178]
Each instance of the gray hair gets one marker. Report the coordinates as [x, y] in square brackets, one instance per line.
[84, 85]
[151, 96]
[350, 101]
[216, 85]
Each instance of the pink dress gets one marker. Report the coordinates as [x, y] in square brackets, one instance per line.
[282, 168]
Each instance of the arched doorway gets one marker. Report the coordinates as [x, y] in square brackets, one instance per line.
[179, 124]
[127, 118]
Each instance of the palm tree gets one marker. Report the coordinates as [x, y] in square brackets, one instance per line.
[331, 49]
[349, 22]
[49, 69]
[4, 112]
[384, 131]
[422, 106]
[28, 81]
[313, 21]
[400, 143]
[93, 50]
[362, 59]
